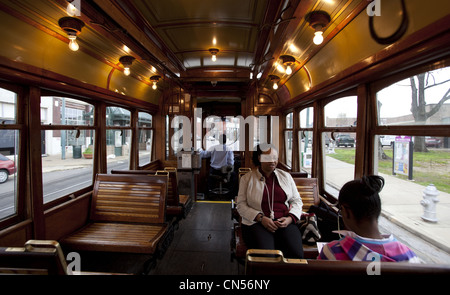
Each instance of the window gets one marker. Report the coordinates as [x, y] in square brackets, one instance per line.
[413, 158]
[9, 143]
[422, 99]
[338, 142]
[288, 138]
[66, 146]
[118, 138]
[145, 138]
[305, 138]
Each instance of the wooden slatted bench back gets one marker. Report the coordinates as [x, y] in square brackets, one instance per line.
[309, 192]
[172, 197]
[172, 185]
[128, 198]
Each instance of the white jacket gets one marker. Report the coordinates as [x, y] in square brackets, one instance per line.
[251, 189]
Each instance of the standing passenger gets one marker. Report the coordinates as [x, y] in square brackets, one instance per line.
[360, 206]
[270, 205]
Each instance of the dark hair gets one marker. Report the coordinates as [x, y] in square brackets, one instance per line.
[361, 196]
[259, 151]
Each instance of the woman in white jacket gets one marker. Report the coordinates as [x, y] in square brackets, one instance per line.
[270, 205]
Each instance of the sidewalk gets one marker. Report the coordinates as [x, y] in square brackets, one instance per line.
[400, 201]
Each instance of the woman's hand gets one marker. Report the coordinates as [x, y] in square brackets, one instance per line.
[283, 221]
[269, 224]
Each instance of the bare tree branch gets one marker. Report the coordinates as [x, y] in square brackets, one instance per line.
[436, 108]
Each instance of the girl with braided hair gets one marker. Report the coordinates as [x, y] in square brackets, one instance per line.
[360, 205]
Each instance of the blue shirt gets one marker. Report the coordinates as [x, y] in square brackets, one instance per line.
[220, 156]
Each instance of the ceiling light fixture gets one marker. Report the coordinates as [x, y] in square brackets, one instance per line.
[72, 26]
[275, 80]
[126, 61]
[288, 61]
[318, 20]
[213, 52]
[154, 79]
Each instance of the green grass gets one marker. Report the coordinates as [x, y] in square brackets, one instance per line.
[432, 167]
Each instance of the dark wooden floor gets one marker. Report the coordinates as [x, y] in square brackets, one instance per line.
[201, 245]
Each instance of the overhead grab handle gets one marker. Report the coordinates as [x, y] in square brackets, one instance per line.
[397, 34]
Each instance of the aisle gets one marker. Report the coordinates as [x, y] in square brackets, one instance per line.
[201, 245]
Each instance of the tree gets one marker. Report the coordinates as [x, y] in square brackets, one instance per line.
[419, 84]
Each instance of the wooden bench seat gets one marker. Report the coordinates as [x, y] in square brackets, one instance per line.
[272, 262]
[177, 205]
[117, 237]
[308, 190]
[127, 215]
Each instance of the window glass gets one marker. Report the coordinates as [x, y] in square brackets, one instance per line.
[118, 140]
[67, 154]
[339, 142]
[66, 111]
[339, 159]
[7, 106]
[288, 147]
[397, 157]
[408, 173]
[307, 118]
[118, 144]
[8, 172]
[66, 168]
[145, 138]
[289, 120]
[341, 112]
[419, 100]
[9, 143]
[305, 138]
[305, 143]
[116, 116]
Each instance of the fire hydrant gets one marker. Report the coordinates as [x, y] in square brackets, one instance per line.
[429, 203]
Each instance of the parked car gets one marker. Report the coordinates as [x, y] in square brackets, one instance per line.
[345, 140]
[387, 140]
[432, 142]
[7, 167]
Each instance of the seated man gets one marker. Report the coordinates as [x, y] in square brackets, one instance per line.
[360, 206]
[220, 156]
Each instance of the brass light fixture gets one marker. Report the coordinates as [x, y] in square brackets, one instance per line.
[288, 61]
[154, 79]
[72, 26]
[214, 52]
[275, 80]
[126, 61]
[318, 20]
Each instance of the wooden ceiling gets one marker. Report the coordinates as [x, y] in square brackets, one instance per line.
[172, 38]
[249, 34]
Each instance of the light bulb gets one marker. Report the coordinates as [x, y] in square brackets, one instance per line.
[214, 57]
[154, 86]
[288, 70]
[275, 86]
[126, 71]
[73, 45]
[318, 38]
